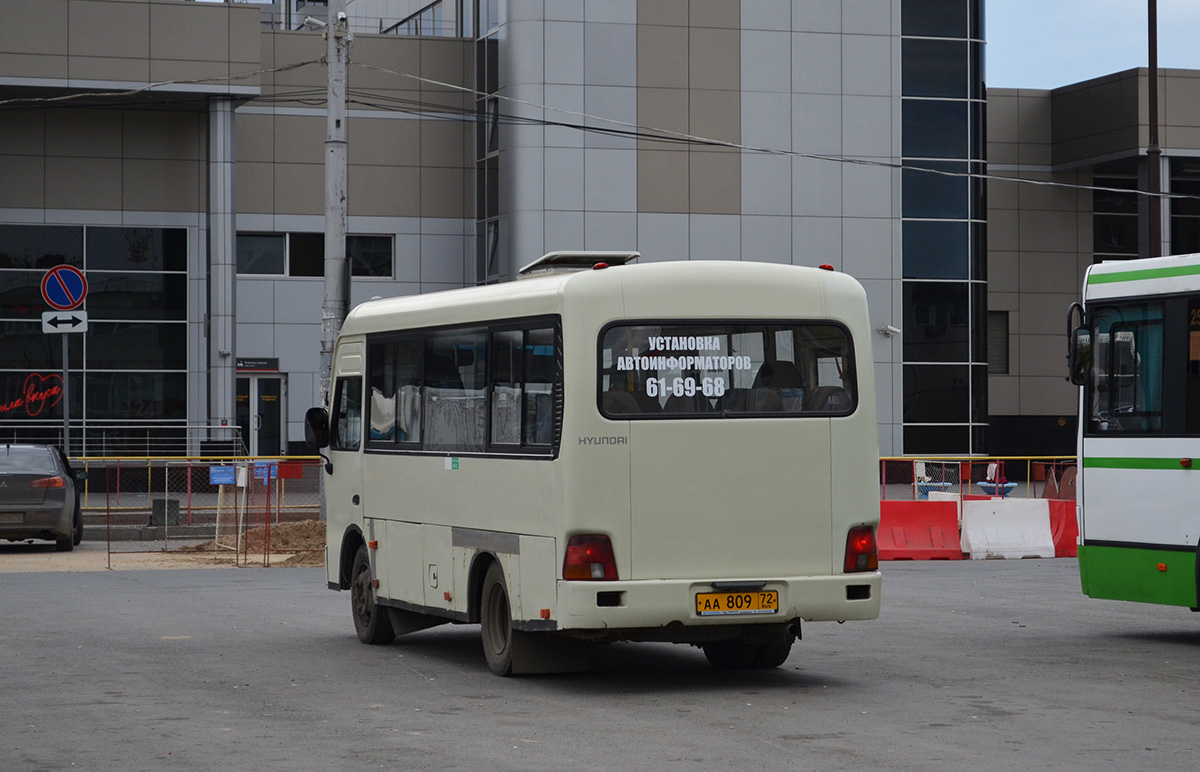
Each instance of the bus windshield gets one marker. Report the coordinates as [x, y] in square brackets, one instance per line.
[1126, 392]
[721, 369]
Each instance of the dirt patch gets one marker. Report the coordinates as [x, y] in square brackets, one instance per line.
[299, 544]
[292, 544]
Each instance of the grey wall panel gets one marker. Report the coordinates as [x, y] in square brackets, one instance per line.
[663, 237]
[766, 184]
[766, 61]
[255, 300]
[297, 301]
[817, 123]
[609, 230]
[767, 239]
[867, 247]
[715, 237]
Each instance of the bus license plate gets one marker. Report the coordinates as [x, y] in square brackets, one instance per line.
[723, 603]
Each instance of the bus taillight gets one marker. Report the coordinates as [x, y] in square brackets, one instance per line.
[589, 557]
[861, 552]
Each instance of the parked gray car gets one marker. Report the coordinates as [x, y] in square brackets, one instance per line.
[39, 495]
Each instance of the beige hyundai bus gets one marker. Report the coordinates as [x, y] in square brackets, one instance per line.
[606, 451]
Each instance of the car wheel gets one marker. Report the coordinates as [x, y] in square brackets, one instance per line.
[370, 619]
[78, 524]
[65, 545]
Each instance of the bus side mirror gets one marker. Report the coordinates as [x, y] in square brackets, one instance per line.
[1079, 356]
[316, 428]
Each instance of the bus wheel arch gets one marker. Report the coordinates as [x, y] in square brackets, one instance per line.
[352, 540]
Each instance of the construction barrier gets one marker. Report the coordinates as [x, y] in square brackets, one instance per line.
[1064, 528]
[1007, 528]
[919, 530]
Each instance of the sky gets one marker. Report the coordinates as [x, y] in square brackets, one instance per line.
[1052, 43]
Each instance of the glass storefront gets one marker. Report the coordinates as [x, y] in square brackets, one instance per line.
[128, 372]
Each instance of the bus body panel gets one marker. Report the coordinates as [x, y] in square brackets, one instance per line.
[1144, 475]
[737, 499]
[684, 502]
[666, 603]
[1165, 577]
[403, 574]
[1138, 497]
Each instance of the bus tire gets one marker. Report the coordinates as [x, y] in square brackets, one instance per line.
[495, 621]
[730, 655]
[371, 621]
[772, 654]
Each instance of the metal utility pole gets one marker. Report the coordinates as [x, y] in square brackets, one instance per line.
[1153, 151]
[334, 307]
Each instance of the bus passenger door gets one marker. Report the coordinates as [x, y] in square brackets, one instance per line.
[343, 477]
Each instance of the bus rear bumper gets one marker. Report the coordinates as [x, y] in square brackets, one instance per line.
[633, 605]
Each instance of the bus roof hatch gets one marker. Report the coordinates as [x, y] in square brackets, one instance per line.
[557, 262]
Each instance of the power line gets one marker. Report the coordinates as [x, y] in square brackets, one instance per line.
[316, 96]
[667, 135]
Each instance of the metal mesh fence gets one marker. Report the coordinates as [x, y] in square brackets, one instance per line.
[224, 507]
[911, 478]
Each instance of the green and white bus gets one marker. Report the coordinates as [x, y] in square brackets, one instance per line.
[681, 452]
[1136, 354]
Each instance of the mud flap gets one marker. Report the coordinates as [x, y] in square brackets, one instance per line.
[546, 653]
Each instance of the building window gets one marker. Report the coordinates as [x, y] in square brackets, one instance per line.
[430, 21]
[302, 255]
[261, 253]
[943, 214]
[935, 18]
[1114, 218]
[997, 343]
[1185, 212]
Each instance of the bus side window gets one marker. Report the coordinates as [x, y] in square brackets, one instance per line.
[1192, 379]
[541, 366]
[347, 415]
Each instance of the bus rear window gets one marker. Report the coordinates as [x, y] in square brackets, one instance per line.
[721, 369]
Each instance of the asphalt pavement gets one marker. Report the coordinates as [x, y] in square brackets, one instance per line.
[985, 665]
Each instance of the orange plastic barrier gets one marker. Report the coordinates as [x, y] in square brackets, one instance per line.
[919, 530]
[1064, 528]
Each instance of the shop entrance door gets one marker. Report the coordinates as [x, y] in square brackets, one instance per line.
[260, 413]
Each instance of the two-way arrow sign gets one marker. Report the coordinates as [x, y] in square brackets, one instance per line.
[64, 321]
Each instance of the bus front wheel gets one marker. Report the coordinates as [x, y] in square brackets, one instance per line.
[370, 619]
[495, 621]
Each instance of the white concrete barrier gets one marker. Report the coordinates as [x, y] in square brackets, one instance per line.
[956, 497]
[1007, 528]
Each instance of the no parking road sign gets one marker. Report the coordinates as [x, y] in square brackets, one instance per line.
[64, 287]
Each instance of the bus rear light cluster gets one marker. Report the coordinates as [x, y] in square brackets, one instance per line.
[862, 554]
[589, 558]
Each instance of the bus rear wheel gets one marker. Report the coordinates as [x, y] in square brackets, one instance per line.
[495, 621]
[772, 654]
[370, 619]
[729, 655]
